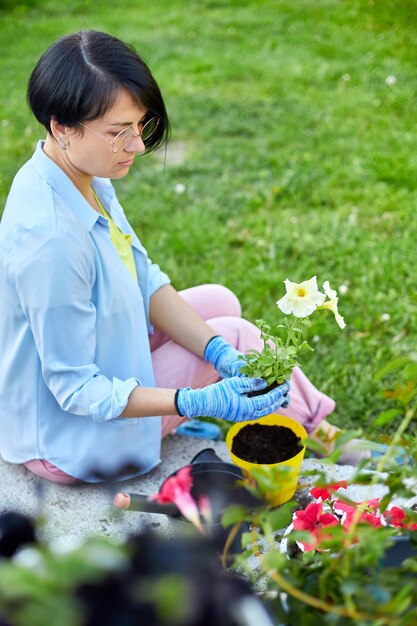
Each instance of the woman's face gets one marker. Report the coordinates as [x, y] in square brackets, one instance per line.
[92, 155]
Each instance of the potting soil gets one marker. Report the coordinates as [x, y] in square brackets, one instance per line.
[260, 443]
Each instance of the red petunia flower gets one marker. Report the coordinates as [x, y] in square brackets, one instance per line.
[397, 517]
[324, 493]
[368, 512]
[364, 517]
[313, 520]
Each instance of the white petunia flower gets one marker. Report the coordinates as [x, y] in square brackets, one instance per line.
[301, 299]
[330, 293]
[331, 303]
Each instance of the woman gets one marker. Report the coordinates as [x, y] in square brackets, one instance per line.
[95, 342]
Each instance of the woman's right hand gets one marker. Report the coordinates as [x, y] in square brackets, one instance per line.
[228, 399]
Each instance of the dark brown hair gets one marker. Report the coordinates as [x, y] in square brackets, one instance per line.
[80, 76]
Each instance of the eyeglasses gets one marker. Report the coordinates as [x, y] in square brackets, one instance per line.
[126, 135]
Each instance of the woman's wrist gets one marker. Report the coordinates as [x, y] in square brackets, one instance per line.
[149, 401]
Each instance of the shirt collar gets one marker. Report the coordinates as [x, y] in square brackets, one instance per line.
[63, 186]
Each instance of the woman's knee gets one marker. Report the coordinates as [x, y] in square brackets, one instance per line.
[240, 333]
[212, 300]
[228, 300]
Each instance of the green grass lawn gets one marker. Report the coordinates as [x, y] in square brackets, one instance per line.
[295, 128]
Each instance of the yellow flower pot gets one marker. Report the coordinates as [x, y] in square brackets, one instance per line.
[292, 465]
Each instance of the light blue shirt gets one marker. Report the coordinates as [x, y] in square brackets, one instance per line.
[74, 329]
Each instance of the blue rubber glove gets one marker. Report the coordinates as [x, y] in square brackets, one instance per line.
[227, 399]
[224, 358]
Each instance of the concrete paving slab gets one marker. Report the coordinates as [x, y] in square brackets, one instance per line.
[76, 511]
[70, 513]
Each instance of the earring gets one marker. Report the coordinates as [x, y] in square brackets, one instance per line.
[62, 144]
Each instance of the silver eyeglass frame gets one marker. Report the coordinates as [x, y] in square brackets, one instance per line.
[129, 135]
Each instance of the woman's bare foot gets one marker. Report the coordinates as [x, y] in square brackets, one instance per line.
[325, 435]
[353, 451]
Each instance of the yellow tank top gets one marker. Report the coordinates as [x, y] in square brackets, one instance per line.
[122, 243]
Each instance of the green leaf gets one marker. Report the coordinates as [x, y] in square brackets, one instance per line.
[268, 371]
[395, 364]
[410, 372]
[380, 594]
[246, 539]
[234, 514]
[274, 560]
[280, 517]
[386, 416]
[385, 502]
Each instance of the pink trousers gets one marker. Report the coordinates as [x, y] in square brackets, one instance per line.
[175, 367]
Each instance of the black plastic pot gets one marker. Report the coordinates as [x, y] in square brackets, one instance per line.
[215, 479]
[401, 549]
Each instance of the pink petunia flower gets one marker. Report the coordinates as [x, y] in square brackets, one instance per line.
[324, 493]
[313, 520]
[206, 511]
[177, 489]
